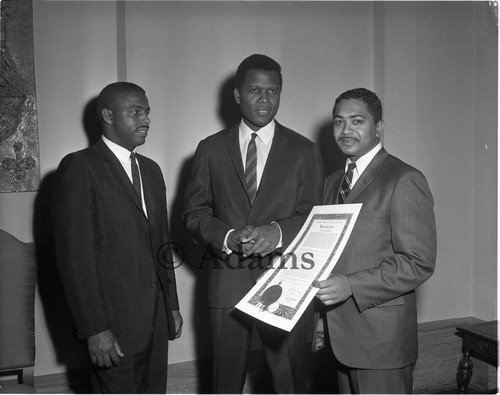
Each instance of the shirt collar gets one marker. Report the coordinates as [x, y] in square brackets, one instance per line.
[265, 133]
[121, 153]
[363, 161]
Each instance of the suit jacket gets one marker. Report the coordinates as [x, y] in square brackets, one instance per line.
[107, 249]
[391, 251]
[217, 200]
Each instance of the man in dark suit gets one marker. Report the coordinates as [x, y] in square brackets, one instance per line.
[370, 296]
[245, 214]
[111, 233]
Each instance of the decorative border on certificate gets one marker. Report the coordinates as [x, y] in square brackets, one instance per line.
[283, 293]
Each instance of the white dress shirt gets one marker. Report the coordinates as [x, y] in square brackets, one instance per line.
[123, 156]
[263, 142]
[362, 163]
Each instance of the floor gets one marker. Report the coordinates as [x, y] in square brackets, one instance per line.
[194, 378]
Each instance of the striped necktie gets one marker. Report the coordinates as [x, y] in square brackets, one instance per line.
[136, 179]
[251, 169]
[346, 186]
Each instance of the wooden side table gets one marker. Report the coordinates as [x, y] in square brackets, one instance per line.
[479, 341]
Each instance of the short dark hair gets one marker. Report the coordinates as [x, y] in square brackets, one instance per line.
[112, 91]
[256, 62]
[371, 99]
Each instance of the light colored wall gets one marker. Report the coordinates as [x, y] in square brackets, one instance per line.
[429, 112]
[75, 56]
[416, 55]
[485, 185]
[445, 68]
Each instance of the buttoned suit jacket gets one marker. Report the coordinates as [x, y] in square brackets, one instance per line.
[107, 249]
[216, 201]
[391, 251]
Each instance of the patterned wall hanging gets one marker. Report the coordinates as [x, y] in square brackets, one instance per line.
[19, 152]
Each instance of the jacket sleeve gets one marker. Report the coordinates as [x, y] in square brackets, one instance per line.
[198, 204]
[413, 237]
[73, 209]
[173, 299]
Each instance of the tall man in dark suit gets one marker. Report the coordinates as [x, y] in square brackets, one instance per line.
[245, 213]
[111, 233]
[370, 296]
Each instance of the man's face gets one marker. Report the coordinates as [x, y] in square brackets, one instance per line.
[128, 118]
[354, 128]
[259, 97]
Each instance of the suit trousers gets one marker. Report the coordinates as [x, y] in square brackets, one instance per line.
[142, 373]
[231, 341]
[377, 381]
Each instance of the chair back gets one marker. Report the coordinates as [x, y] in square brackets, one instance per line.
[18, 277]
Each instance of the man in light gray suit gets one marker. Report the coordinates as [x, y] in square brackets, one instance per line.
[370, 295]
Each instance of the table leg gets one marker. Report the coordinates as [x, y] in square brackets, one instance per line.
[464, 372]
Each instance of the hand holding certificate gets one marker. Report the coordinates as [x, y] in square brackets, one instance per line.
[282, 294]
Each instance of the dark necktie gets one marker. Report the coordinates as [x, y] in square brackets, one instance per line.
[136, 179]
[346, 186]
[251, 168]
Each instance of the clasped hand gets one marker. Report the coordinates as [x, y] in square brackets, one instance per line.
[259, 241]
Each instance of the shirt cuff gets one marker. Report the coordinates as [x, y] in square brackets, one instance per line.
[280, 243]
[225, 247]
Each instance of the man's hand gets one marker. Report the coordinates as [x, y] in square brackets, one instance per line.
[178, 323]
[333, 290]
[265, 239]
[236, 236]
[104, 349]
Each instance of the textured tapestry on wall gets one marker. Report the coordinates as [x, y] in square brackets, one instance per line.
[19, 154]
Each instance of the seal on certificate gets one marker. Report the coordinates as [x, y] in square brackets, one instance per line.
[270, 296]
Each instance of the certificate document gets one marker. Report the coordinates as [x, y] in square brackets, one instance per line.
[284, 291]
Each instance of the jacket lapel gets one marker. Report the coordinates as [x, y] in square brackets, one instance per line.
[272, 170]
[147, 184]
[276, 159]
[331, 192]
[116, 168]
[233, 147]
[367, 176]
